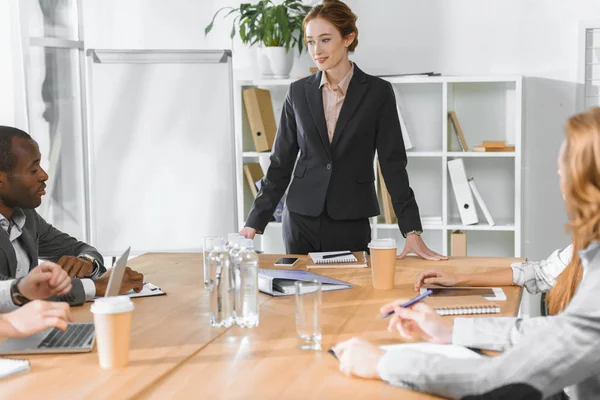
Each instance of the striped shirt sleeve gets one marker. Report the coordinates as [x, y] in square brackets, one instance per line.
[540, 276]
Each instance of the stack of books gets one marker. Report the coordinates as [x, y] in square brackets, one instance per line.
[493, 146]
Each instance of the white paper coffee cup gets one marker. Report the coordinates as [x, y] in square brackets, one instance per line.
[112, 320]
[383, 263]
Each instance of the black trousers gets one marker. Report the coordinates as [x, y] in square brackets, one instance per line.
[303, 234]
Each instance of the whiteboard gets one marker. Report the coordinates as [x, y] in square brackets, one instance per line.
[159, 146]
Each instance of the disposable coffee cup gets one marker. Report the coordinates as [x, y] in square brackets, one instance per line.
[112, 320]
[383, 263]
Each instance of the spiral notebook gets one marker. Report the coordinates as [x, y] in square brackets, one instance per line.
[11, 366]
[329, 257]
[468, 305]
[353, 260]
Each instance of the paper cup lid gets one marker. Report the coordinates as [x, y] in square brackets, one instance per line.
[112, 305]
[383, 244]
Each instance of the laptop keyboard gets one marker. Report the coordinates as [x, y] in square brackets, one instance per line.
[76, 336]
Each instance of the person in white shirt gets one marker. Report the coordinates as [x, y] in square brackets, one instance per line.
[535, 276]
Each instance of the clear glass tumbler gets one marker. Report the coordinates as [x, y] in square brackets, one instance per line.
[308, 314]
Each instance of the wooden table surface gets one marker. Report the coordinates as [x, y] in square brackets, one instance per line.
[176, 354]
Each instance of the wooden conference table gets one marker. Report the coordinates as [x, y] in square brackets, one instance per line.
[176, 354]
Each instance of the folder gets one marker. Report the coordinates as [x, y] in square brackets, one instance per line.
[261, 117]
[254, 173]
[405, 137]
[277, 282]
[462, 192]
[481, 203]
[458, 130]
[388, 210]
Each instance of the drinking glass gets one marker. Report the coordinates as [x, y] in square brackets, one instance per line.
[308, 314]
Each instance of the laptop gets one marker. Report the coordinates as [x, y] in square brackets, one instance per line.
[78, 338]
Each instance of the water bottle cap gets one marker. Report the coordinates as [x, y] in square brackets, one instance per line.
[234, 238]
[248, 243]
[219, 242]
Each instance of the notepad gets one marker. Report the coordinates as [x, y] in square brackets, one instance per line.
[360, 261]
[12, 366]
[468, 305]
[323, 257]
[148, 290]
[446, 350]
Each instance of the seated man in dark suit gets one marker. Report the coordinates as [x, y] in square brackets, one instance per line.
[25, 236]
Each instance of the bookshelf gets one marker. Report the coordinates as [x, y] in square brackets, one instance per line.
[488, 108]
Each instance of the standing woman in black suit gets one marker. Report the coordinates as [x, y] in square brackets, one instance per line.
[335, 120]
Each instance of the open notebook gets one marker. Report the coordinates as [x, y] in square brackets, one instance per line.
[467, 305]
[352, 260]
[11, 366]
[278, 282]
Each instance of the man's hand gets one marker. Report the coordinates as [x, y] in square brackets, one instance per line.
[358, 357]
[419, 320]
[76, 267]
[131, 280]
[248, 232]
[436, 277]
[34, 317]
[415, 244]
[45, 280]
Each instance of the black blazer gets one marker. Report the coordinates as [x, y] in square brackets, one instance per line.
[41, 240]
[338, 177]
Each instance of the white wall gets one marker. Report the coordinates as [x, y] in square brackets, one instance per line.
[7, 106]
[535, 38]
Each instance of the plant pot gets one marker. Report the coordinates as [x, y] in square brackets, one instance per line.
[275, 62]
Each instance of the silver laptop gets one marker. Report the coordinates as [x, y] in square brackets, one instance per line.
[78, 338]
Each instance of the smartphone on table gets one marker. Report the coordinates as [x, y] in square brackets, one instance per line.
[286, 261]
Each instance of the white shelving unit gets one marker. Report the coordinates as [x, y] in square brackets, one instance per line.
[488, 108]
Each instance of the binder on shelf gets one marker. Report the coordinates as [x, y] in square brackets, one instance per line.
[458, 131]
[405, 137]
[261, 117]
[388, 210]
[481, 203]
[254, 173]
[462, 192]
[458, 244]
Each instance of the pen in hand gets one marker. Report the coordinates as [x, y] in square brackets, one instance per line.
[409, 303]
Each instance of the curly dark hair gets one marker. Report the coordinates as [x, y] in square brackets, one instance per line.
[7, 159]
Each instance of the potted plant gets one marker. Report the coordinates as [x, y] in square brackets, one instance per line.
[277, 29]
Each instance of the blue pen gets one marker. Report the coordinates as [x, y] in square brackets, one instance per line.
[409, 303]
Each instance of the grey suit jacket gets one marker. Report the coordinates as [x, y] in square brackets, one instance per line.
[41, 240]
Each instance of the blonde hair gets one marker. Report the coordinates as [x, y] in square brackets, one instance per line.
[581, 169]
